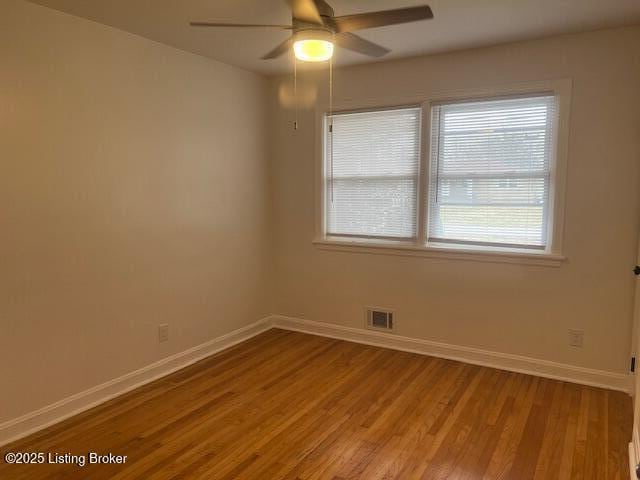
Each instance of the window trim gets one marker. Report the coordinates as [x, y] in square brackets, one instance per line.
[551, 256]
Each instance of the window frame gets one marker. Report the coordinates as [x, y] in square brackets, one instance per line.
[552, 255]
[419, 174]
[548, 218]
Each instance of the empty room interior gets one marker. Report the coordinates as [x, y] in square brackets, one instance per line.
[319, 239]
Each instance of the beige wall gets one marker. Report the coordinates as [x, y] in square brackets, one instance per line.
[133, 192]
[518, 309]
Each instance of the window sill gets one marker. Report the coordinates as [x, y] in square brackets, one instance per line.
[403, 248]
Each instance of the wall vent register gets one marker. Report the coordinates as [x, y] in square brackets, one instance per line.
[378, 319]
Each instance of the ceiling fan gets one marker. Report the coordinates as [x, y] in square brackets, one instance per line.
[315, 29]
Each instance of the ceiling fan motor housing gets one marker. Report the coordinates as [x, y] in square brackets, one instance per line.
[313, 33]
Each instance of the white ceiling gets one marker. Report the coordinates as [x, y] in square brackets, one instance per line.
[457, 24]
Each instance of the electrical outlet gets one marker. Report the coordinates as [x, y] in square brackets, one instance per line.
[576, 338]
[163, 332]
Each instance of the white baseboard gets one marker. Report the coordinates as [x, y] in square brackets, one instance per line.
[56, 412]
[476, 356]
[634, 453]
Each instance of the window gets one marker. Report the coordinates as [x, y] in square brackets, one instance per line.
[490, 172]
[484, 180]
[372, 163]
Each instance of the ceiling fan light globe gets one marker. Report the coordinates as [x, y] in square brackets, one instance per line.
[313, 45]
[313, 50]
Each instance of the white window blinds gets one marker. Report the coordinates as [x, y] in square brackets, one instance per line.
[490, 172]
[371, 177]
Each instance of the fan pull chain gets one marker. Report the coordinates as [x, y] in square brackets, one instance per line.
[331, 122]
[295, 92]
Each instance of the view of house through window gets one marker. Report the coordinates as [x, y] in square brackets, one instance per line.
[490, 171]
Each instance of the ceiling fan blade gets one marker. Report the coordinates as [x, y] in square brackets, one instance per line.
[239, 25]
[360, 45]
[279, 50]
[348, 23]
[305, 10]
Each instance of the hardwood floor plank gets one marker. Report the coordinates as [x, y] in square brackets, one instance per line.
[548, 463]
[290, 406]
[528, 451]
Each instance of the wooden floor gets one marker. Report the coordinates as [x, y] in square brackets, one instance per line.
[286, 405]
